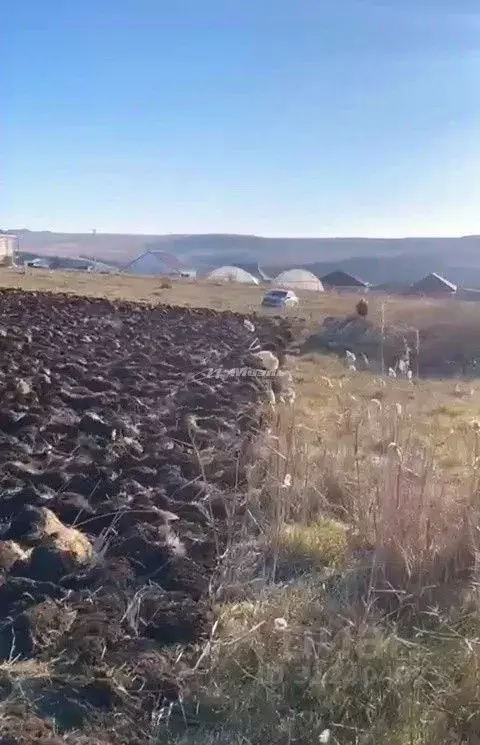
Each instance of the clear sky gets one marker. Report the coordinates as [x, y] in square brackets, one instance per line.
[273, 117]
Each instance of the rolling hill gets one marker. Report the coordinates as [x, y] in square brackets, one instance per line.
[376, 260]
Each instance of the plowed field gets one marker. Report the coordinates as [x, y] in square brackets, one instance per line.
[119, 461]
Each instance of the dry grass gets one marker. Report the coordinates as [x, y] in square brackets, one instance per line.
[447, 326]
[352, 611]
[405, 312]
[323, 541]
[371, 488]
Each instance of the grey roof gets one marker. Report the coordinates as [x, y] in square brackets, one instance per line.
[340, 278]
[434, 283]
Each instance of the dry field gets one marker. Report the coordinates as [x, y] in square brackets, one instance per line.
[442, 322]
[344, 607]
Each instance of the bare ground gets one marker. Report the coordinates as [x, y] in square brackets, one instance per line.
[120, 468]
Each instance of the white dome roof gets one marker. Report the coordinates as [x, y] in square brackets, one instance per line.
[233, 274]
[299, 279]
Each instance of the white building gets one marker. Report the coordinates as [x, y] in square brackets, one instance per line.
[298, 279]
[232, 274]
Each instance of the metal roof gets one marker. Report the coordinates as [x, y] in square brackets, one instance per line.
[340, 278]
[432, 282]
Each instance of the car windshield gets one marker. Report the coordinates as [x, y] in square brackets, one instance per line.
[277, 293]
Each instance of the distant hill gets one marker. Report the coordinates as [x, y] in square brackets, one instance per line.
[376, 260]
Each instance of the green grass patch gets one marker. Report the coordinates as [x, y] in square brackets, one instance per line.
[323, 542]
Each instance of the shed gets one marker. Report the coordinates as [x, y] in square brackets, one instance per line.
[298, 279]
[342, 279]
[232, 274]
[434, 284]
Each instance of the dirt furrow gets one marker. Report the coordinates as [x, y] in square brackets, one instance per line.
[118, 460]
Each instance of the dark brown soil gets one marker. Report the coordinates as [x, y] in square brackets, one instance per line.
[96, 426]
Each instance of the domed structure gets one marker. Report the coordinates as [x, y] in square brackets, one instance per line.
[298, 279]
[232, 274]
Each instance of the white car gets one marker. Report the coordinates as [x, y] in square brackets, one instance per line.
[279, 299]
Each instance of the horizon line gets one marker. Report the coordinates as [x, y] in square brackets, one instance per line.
[92, 234]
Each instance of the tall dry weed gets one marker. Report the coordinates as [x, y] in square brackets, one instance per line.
[415, 529]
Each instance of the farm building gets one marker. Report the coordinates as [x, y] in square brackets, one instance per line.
[153, 262]
[434, 284]
[232, 274]
[298, 279]
[342, 280]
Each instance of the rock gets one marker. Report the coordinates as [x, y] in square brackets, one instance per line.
[23, 388]
[39, 526]
[11, 552]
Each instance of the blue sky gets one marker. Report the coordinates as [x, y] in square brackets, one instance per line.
[293, 117]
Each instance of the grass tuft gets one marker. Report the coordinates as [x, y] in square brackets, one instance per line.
[324, 541]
